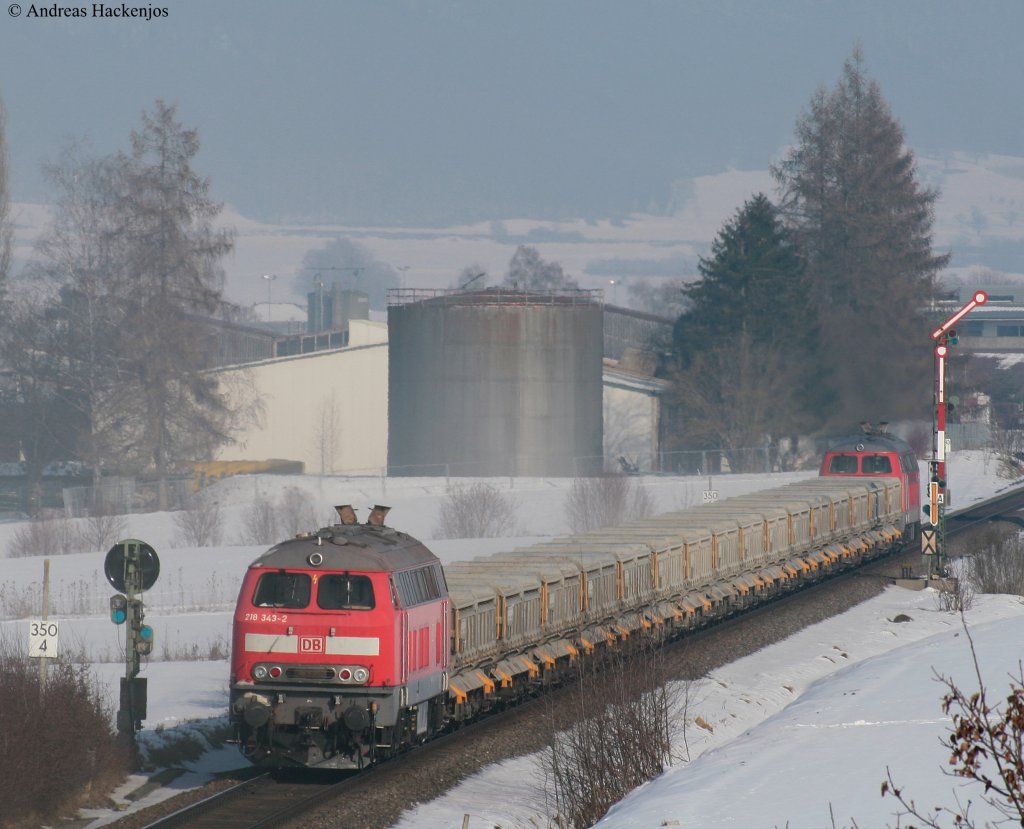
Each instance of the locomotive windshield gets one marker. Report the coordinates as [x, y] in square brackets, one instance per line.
[876, 465]
[282, 589]
[843, 465]
[344, 592]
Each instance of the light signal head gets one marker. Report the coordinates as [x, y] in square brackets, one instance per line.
[144, 641]
[118, 609]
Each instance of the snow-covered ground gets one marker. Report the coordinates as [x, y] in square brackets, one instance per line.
[806, 725]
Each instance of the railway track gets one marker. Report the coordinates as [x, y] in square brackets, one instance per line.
[265, 802]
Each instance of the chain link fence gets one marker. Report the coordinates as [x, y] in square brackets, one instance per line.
[125, 496]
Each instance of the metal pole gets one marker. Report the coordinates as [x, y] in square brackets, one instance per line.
[46, 611]
[938, 485]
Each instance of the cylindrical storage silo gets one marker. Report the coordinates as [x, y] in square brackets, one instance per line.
[494, 383]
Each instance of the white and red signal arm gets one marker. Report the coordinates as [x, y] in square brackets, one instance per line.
[979, 298]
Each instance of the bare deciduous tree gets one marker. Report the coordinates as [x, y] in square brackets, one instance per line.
[259, 522]
[81, 256]
[528, 272]
[734, 396]
[44, 537]
[607, 501]
[997, 564]
[100, 532]
[477, 511]
[6, 228]
[201, 523]
[296, 512]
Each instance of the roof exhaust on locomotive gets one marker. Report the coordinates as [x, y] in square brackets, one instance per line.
[377, 515]
[881, 429]
[346, 514]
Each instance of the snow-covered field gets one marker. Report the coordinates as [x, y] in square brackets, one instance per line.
[806, 725]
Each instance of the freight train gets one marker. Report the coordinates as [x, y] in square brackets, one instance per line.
[352, 643]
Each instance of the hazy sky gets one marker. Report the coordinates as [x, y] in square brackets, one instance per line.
[405, 112]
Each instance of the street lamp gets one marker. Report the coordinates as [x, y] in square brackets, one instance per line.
[270, 281]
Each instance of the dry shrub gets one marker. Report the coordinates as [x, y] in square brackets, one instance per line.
[44, 537]
[201, 523]
[997, 565]
[957, 597]
[986, 747]
[477, 511]
[57, 748]
[98, 533]
[296, 512]
[259, 523]
[607, 501]
[611, 735]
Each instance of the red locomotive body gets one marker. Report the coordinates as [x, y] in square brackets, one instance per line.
[340, 648]
[877, 453]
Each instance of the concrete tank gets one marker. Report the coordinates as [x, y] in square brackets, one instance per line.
[494, 382]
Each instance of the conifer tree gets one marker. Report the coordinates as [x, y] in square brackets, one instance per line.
[851, 195]
[741, 347]
[172, 254]
[752, 284]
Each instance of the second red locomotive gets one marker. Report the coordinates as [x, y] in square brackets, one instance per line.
[877, 453]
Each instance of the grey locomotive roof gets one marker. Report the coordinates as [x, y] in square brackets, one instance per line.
[349, 547]
[870, 443]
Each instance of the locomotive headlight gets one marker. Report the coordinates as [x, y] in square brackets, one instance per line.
[353, 674]
[259, 672]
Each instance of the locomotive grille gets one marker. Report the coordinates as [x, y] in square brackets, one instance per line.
[310, 672]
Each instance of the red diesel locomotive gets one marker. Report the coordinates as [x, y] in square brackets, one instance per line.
[877, 453]
[340, 647]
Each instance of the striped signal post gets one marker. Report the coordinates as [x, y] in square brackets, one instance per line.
[933, 540]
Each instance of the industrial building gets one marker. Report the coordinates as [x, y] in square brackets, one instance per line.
[481, 383]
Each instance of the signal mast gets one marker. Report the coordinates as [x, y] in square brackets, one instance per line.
[933, 542]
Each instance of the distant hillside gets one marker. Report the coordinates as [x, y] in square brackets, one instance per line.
[979, 217]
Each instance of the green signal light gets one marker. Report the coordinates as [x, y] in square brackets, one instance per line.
[118, 609]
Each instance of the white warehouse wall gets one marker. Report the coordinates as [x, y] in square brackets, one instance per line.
[327, 409]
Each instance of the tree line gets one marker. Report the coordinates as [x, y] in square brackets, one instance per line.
[809, 313]
[103, 338]
[806, 315]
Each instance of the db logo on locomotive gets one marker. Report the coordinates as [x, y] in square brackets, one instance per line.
[311, 644]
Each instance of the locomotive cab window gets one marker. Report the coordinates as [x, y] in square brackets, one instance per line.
[282, 590]
[876, 465]
[342, 591]
[843, 465]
